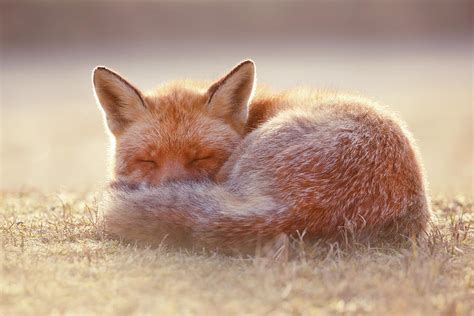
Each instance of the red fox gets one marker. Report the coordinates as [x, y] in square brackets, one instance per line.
[222, 169]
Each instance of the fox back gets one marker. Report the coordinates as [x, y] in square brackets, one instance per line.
[333, 162]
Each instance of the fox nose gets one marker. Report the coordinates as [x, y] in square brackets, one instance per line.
[173, 170]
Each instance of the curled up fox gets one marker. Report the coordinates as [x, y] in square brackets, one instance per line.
[227, 166]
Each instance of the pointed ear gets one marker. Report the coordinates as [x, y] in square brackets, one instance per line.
[229, 97]
[121, 101]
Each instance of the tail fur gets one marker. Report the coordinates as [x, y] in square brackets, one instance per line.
[197, 215]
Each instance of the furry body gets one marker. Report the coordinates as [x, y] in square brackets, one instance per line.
[310, 162]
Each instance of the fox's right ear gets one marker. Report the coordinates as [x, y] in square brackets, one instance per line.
[229, 97]
[121, 101]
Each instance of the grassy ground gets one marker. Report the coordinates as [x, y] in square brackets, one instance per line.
[54, 259]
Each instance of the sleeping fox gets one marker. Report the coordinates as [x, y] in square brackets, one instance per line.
[225, 167]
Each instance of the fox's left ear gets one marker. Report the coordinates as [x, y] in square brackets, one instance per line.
[122, 102]
[229, 97]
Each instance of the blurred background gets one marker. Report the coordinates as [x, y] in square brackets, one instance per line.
[414, 56]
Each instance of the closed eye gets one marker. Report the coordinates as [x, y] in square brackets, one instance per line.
[202, 158]
[147, 161]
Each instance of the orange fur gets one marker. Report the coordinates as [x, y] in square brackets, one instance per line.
[179, 131]
[305, 160]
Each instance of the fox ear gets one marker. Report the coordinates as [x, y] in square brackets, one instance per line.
[121, 101]
[229, 97]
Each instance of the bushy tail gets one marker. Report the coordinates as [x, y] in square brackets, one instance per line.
[198, 215]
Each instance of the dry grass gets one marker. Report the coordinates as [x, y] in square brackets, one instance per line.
[54, 259]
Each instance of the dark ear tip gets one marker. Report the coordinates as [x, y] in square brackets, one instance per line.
[247, 62]
[248, 66]
[99, 69]
[102, 72]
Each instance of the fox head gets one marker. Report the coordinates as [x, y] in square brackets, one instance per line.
[180, 131]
